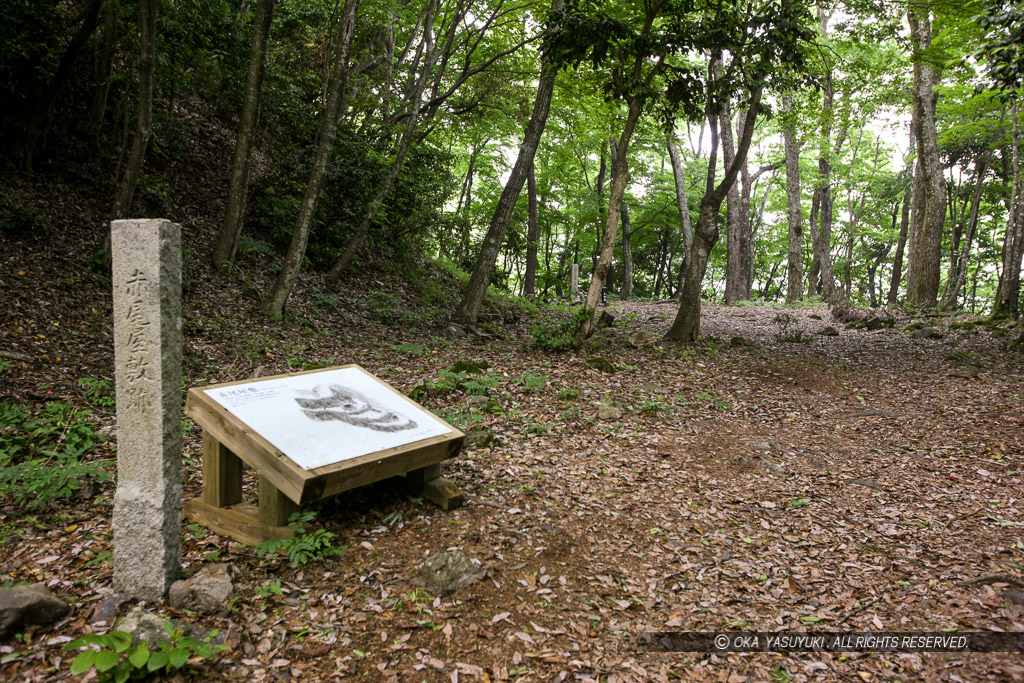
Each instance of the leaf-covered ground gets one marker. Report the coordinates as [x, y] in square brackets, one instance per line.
[857, 482]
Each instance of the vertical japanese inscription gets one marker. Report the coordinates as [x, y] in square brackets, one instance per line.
[147, 355]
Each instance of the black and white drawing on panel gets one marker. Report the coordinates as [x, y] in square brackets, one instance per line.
[323, 418]
[350, 406]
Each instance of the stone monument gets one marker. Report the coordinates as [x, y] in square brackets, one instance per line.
[574, 282]
[147, 357]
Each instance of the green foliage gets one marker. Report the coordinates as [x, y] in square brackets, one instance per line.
[303, 545]
[387, 308]
[568, 394]
[113, 657]
[787, 335]
[554, 336]
[42, 453]
[98, 392]
[16, 219]
[532, 382]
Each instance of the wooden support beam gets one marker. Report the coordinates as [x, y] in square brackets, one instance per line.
[240, 522]
[275, 508]
[222, 474]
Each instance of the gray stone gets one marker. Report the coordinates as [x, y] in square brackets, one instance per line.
[147, 360]
[965, 373]
[1016, 597]
[927, 333]
[601, 364]
[454, 331]
[761, 446]
[574, 278]
[147, 627]
[481, 438]
[606, 411]
[450, 571]
[829, 331]
[877, 323]
[870, 483]
[110, 607]
[642, 339]
[739, 341]
[606, 319]
[208, 591]
[31, 605]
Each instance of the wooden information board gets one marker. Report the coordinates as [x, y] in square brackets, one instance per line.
[311, 435]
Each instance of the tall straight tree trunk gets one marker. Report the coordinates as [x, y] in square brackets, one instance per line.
[794, 285]
[679, 176]
[465, 199]
[273, 305]
[958, 269]
[473, 298]
[227, 241]
[532, 233]
[144, 122]
[822, 240]
[620, 176]
[429, 56]
[104, 61]
[686, 326]
[736, 249]
[926, 244]
[1008, 292]
[626, 290]
[897, 261]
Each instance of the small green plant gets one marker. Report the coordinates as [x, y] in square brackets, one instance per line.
[272, 588]
[568, 394]
[653, 407]
[532, 382]
[787, 335]
[112, 656]
[554, 336]
[42, 453]
[303, 545]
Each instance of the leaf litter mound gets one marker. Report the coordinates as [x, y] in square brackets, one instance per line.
[858, 482]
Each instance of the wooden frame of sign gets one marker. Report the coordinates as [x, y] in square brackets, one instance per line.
[284, 486]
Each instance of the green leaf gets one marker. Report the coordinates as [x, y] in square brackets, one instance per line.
[139, 656]
[178, 657]
[106, 660]
[83, 662]
[157, 661]
[122, 674]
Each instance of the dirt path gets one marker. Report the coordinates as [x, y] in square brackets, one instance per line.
[848, 483]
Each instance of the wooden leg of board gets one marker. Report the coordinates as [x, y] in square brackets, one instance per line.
[222, 474]
[421, 476]
[240, 522]
[444, 493]
[275, 507]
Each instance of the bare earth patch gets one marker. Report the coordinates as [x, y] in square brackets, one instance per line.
[846, 483]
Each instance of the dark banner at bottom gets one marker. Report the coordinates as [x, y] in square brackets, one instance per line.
[807, 641]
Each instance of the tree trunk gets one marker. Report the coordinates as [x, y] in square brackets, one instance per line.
[926, 244]
[686, 326]
[794, 286]
[429, 56]
[897, 261]
[104, 60]
[620, 176]
[736, 245]
[227, 241]
[273, 305]
[144, 122]
[473, 298]
[958, 268]
[532, 234]
[1008, 292]
[684, 210]
[627, 254]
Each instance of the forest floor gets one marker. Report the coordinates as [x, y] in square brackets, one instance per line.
[858, 482]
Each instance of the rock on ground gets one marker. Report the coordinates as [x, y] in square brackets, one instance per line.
[450, 571]
[208, 591]
[31, 605]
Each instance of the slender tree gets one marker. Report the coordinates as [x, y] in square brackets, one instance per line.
[227, 241]
[473, 298]
[795, 275]
[273, 304]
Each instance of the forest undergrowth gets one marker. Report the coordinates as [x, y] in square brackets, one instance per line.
[769, 478]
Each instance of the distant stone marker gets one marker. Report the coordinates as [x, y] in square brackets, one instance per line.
[147, 357]
[574, 282]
